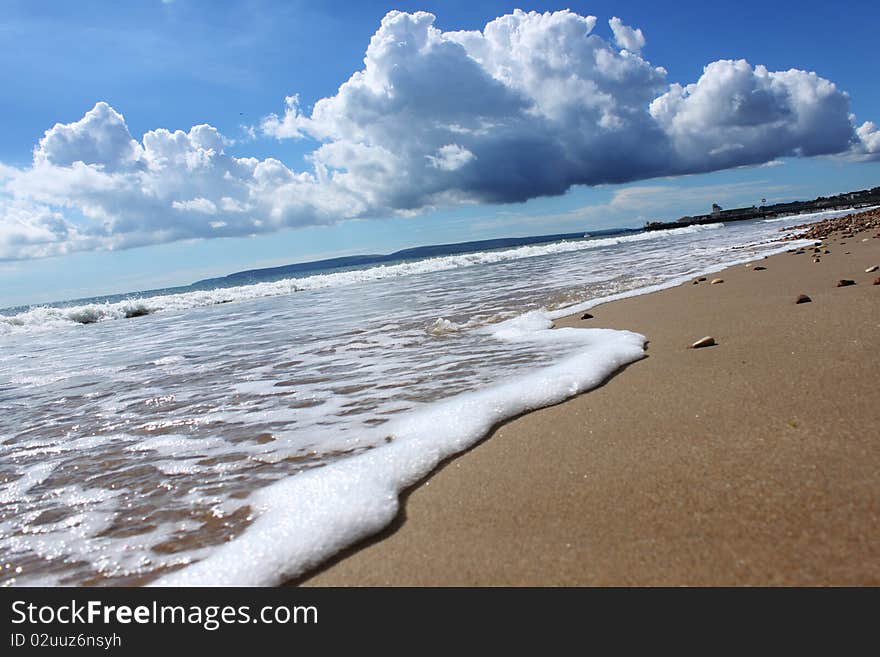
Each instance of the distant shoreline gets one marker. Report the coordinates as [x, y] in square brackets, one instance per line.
[415, 253]
[850, 200]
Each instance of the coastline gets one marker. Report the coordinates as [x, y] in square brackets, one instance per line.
[751, 462]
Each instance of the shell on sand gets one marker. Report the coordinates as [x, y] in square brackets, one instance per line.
[707, 341]
[716, 281]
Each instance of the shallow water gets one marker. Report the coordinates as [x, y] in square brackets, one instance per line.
[130, 448]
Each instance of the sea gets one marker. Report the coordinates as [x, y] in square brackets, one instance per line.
[242, 434]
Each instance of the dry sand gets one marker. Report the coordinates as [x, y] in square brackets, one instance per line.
[756, 461]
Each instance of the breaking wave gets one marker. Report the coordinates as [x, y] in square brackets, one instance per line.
[53, 317]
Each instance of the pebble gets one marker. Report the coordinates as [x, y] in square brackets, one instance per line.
[708, 341]
[871, 270]
[845, 282]
[877, 281]
[586, 316]
[803, 298]
[716, 281]
[760, 268]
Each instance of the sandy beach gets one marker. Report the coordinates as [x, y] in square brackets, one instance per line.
[752, 462]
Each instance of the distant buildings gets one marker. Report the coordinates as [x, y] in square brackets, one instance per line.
[857, 199]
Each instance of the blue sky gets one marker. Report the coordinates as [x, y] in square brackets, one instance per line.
[231, 64]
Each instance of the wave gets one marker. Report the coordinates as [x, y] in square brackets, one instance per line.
[53, 317]
[305, 518]
[808, 217]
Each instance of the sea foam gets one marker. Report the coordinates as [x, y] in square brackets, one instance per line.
[308, 517]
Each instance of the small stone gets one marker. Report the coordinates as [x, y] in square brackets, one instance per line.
[586, 316]
[877, 281]
[871, 270]
[701, 279]
[803, 298]
[760, 268]
[708, 341]
[816, 260]
[827, 251]
[845, 282]
[716, 281]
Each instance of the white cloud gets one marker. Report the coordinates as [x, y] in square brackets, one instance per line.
[738, 114]
[100, 138]
[201, 205]
[529, 106]
[625, 36]
[869, 139]
[451, 157]
[287, 127]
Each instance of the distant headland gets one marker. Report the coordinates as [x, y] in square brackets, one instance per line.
[859, 199]
[416, 253]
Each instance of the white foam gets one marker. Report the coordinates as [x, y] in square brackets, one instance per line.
[176, 445]
[809, 217]
[672, 282]
[33, 476]
[169, 360]
[308, 517]
[442, 326]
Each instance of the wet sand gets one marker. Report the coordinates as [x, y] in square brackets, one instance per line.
[755, 461]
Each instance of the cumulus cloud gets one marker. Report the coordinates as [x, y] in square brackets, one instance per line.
[287, 127]
[736, 114]
[100, 138]
[869, 139]
[625, 36]
[528, 106]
